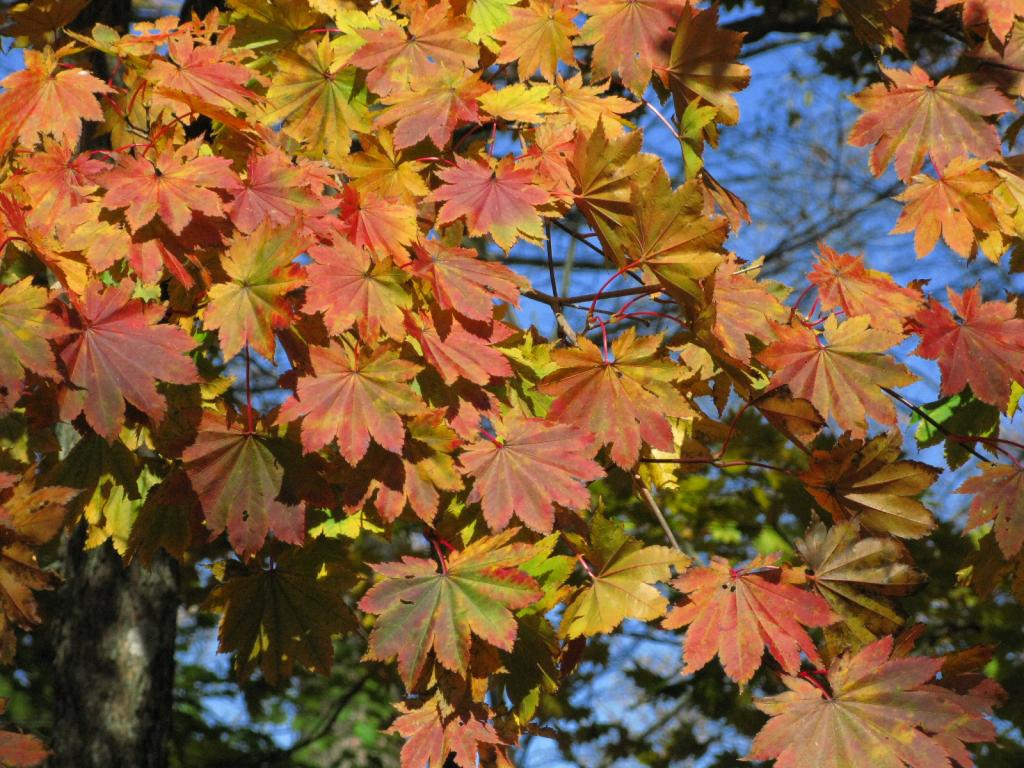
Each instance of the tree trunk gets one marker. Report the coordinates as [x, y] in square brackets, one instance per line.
[114, 637]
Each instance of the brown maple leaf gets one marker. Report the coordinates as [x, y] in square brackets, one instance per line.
[869, 483]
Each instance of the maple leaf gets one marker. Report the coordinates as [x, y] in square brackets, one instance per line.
[118, 351]
[25, 329]
[913, 117]
[630, 37]
[735, 612]
[247, 309]
[875, 22]
[317, 98]
[622, 575]
[173, 186]
[56, 180]
[984, 347]
[519, 102]
[957, 204]
[275, 189]
[431, 737]
[464, 282]
[210, 74]
[868, 482]
[624, 400]
[844, 375]
[876, 708]
[604, 170]
[538, 37]
[529, 467]
[794, 417]
[427, 467]
[998, 496]
[432, 106]
[44, 98]
[743, 308]
[238, 480]
[702, 64]
[36, 21]
[21, 750]
[421, 609]
[351, 288]
[456, 353]
[381, 171]
[273, 618]
[385, 226]
[394, 55]
[586, 106]
[857, 576]
[669, 234]
[353, 397]
[500, 201]
[997, 15]
[29, 518]
[844, 282]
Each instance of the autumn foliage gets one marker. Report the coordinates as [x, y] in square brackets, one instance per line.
[315, 185]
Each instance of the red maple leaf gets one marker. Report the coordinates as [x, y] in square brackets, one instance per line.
[985, 348]
[352, 288]
[456, 353]
[395, 54]
[464, 282]
[499, 201]
[630, 37]
[352, 397]
[624, 400]
[173, 186]
[735, 612]
[275, 189]
[433, 104]
[119, 351]
[999, 496]
[845, 283]
[529, 467]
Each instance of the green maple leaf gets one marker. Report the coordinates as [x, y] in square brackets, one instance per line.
[288, 613]
[421, 609]
[622, 581]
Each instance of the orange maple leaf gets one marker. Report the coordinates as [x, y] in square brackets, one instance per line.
[842, 376]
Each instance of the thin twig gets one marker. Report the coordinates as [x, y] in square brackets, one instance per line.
[652, 504]
[903, 401]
